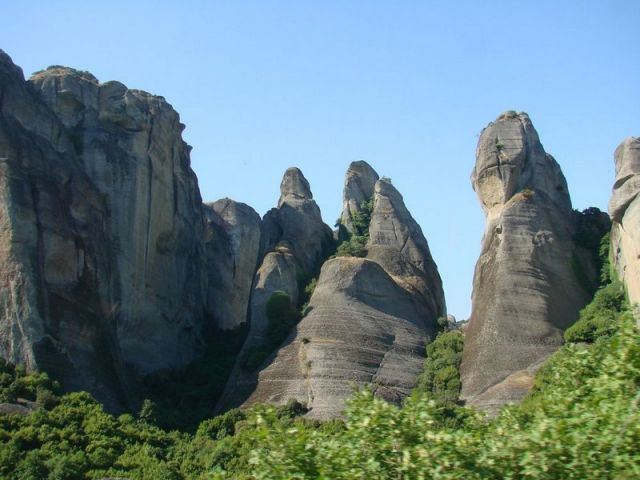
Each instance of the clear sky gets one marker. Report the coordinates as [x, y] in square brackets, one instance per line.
[404, 85]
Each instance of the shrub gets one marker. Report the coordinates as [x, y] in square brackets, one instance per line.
[600, 316]
[441, 376]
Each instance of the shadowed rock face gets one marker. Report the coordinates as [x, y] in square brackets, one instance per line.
[294, 240]
[367, 322]
[58, 300]
[129, 144]
[232, 245]
[624, 209]
[526, 289]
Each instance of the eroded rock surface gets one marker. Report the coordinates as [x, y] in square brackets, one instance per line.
[294, 242]
[129, 144]
[624, 209]
[58, 299]
[232, 245]
[532, 278]
[367, 321]
[359, 185]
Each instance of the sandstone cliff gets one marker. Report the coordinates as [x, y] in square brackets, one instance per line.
[58, 300]
[368, 319]
[532, 278]
[624, 209]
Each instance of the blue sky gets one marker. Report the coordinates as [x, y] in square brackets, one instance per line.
[404, 85]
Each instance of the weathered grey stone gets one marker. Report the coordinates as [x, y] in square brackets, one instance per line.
[397, 243]
[294, 242]
[624, 208]
[526, 288]
[232, 245]
[367, 321]
[359, 185]
[58, 301]
[129, 143]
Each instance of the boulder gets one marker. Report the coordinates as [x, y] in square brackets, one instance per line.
[624, 209]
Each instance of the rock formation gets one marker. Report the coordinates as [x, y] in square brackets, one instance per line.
[113, 268]
[232, 245]
[532, 278]
[368, 319]
[359, 184]
[294, 242]
[129, 143]
[624, 209]
[58, 299]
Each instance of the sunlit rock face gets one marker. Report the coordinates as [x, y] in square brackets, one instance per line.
[58, 303]
[368, 319]
[624, 209]
[129, 144]
[531, 279]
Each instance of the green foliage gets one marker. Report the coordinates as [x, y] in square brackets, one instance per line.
[600, 317]
[440, 378]
[282, 316]
[586, 425]
[604, 259]
[183, 397]
[16, 384]
[355, 246]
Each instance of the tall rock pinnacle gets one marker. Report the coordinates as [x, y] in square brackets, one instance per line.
[367, 321]
[624, 209]
[526, 289]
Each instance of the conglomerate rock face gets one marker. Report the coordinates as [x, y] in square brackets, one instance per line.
[367, 321]
[129, 143]
[624, 209]
[58, 299]
[529, 282]
[359, 184]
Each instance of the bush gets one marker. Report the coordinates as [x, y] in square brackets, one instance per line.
[441, 376]
[600, 317]
[355, 246]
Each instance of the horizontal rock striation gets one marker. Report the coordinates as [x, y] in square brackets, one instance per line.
[532, 278]
[624, 209]
[368, 319]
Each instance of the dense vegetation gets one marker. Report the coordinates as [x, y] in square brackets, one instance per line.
[181, 398]
[440, 378]
[355, 245]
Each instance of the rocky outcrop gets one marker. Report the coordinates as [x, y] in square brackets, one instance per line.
[367, 321]
[129, 144]
[232, 246]
[58, 300]
[624, 209]
[359, 184]
[532, 277]
[294, 241]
